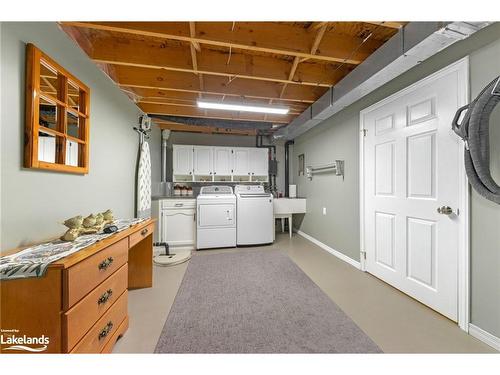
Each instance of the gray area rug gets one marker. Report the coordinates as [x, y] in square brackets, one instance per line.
[256, 302]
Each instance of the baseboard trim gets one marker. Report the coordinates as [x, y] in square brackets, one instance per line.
[327, 248]
[484, 336]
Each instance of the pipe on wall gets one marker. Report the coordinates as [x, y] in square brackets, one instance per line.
[272, 156]
[287, 167]
[165, 134]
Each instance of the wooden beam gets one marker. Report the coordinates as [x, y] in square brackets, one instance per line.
[215, 94]
[167, 80]
[174, 110]
[143, 94]
[192, 32]
[392, 25]
[314, 49]
[295, 64]
[264, 37]
[201, 129]
[189, 104]
[158, 55]
[319, 37]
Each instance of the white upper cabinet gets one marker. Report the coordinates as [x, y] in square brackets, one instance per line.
[241, 165]
[222, 161]
[212, 163]
[182, 160]
[203, 160]
[259, 161]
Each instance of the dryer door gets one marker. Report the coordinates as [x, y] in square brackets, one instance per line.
[212, 215]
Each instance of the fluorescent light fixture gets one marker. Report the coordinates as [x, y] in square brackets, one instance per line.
[243, 107]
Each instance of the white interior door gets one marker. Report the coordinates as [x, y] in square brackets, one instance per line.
[411, 168]
[203, 160]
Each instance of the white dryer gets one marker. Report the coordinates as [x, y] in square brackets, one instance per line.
[255, 222]
[216, 217]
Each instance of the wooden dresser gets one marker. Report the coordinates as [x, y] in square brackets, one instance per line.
[81, 302]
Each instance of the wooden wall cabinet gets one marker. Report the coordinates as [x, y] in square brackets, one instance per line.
[57, 116]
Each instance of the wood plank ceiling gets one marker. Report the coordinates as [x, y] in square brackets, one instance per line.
[165, 67]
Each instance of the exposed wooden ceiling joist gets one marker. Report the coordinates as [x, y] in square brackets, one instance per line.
[182, 96]
[175, 110]
[392, 25]
[157, 55]
[202, 129]
[236, 97]
[165, 67]
[191, 104]
[271, 37]
[167, 80]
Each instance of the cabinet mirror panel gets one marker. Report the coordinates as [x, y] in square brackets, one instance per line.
[47, 114]
[74, 96]
[46, 147]
[57, 128]
[49, 80]
[72, 153]
[73, 128]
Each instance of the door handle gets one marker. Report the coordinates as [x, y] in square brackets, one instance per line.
[445, 210]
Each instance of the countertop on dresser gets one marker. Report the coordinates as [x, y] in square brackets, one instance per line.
[159, 197]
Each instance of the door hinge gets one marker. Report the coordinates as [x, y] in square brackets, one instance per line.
[365, 131]
[363, 254]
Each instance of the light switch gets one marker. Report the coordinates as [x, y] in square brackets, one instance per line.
[324, 210]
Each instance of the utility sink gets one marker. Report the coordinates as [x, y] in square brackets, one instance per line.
[286, 206]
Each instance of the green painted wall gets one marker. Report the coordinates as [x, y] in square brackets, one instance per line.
[33, 202]
[338, 137]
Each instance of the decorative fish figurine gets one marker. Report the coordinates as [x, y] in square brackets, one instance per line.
[99, 219]
[70, 235]
[89, 221]
[74, 222]
[108, 215]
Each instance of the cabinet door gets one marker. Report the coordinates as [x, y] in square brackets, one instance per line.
[222, 161]
[203, 160]
[182, 160]
[179, 227]
[259, 160]
[241, 165]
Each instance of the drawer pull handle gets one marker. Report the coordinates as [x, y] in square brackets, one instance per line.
[179, 204]
[144, 232]
[105, 263]
[105, 296]
[106, 330]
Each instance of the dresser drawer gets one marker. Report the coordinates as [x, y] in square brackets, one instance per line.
[99, 335]
[84, 276]
[81, 317]
[138, 236]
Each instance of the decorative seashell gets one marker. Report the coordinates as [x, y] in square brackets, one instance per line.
[70, 235]
[89, 221]
[108, 215]
[99, 219]
[74, 222]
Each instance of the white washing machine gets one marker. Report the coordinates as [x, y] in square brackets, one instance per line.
[216, 217]
[255, 223]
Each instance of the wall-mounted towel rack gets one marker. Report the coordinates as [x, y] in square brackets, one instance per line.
[336, 167]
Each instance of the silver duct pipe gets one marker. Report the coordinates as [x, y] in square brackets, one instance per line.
[414, 43]
[165, 186]
[165, 134]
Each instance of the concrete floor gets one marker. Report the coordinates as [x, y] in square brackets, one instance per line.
[394, 321]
